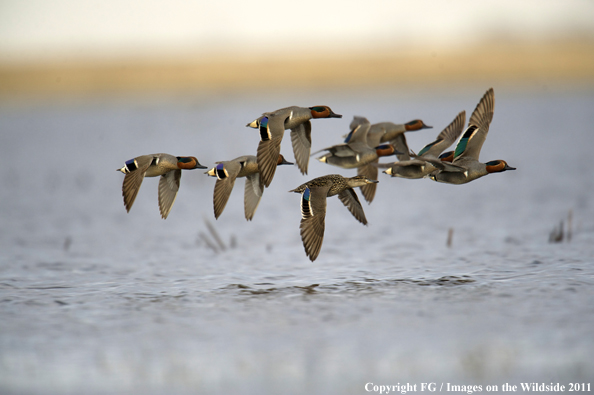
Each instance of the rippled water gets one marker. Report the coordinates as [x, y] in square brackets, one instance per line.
[95, 300]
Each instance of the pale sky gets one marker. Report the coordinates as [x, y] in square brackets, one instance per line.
[38, 29]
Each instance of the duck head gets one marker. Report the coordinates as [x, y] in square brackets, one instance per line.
[386, 150]
[323, 112]
[417, 124]
[360, 180]
[282, 161]
[189, 163]
[497, 166]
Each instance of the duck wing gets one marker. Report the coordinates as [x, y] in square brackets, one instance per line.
[400, 145]
[301, 139]
[358, 134]
[133, 180]
[168, 187]
[370, 171]
[357, 120]
[268, 152]
[253, 193]
[224, 186]
[313, 216]
[444, 166]
[269, 147]
[349, 198]
[446, 137]
[474, 136]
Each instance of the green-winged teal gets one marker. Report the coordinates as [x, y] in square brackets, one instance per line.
[419, 167]
[466, 154]
[272, 127]
[386, 132]
[393, 133]
[313, 206]
[227, 171]
[356, 153]
[167, 166]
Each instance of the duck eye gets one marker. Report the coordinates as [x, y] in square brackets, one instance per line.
[493, 163]
[318, 109]
[411, 123]
[183, 159]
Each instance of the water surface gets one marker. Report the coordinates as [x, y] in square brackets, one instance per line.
[97, 300]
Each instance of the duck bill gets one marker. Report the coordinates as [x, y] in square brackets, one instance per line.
[426, 127]
[286, 162]
[199, 166]
[509, 168]
[334, 115]
[253, 124]
[212, 172]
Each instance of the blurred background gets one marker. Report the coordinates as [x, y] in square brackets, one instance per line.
[67, 47]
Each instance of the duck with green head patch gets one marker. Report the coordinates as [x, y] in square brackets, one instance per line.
[227, 172]
[272, 126]
[393, 133]
[355, 153]
[167, 166]
[313, 206]
[420, 166]
[466, 166]
[385, 132]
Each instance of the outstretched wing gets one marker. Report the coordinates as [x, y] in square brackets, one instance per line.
[272, 130]
[358, 134]
[301, 139]
[446, 137]
[349, 198]
[400, 145]
[357, 120]
[370, 171]
[224, 186]
[252, 195]
[133, 180]
[474, 136]
[268, 152]
[313, 216]
[168, 187]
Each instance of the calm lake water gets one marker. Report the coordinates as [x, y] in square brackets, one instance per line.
[95, 300]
